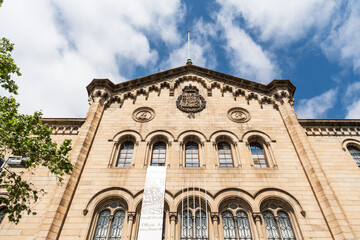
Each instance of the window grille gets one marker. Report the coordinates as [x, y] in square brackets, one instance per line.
[241, 224]
[355, 153]
[110, 223]
[273, 225]
[285, 226]
[191, 155]
[159, 154]
[258, 155]
[188, 232]
[126, 153]
[225, 157]
[228, 226]
[117, 225]
[102, 225]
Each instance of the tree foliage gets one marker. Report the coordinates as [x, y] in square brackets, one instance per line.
[24, 135]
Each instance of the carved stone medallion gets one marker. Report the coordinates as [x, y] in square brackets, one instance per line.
[190, 101]
[239, 115]
[143, 114]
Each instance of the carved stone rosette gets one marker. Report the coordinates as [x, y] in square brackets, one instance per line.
[239, 115]
[143, 114]
[190, 101]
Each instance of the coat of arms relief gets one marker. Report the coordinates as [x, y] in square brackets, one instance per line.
[190, 101]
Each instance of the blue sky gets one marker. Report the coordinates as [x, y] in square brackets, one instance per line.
[61, 46]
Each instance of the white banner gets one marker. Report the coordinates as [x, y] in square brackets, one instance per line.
[151, 219]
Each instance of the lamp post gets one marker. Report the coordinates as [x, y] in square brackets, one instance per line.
[14, 161]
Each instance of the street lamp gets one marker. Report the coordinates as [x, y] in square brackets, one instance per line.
[13, 161]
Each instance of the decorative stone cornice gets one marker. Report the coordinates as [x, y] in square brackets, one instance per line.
[64, 126]
[276, 92]
[331, 127]
[101, 95]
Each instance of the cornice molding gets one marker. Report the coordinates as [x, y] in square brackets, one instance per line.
[331, 127]
[277, 92]
[64, 126]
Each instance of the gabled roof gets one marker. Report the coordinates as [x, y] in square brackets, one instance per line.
[188, 69]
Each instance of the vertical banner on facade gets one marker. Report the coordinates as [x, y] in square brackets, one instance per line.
[151, 219]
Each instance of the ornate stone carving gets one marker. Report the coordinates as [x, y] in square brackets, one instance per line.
[239, 115]
[190, 101]
[143, 114]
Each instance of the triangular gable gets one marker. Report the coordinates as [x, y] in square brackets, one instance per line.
[208, 78]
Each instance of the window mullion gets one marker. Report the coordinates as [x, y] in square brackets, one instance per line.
[110, 224]
[278, 225]
[236, 226]
[194, 226]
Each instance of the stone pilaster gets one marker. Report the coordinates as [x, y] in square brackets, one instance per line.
[332, 211]
[79, 154]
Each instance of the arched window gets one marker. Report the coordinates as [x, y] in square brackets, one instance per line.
[126, 153]
[355, 153]
[192, 155]
[237, 228]
[158, 154]
[258, 155]
[286, 228]
[199, 221]
[271, 226]
[225, 156]
[278, 224]
[2, 214]
[110, 222]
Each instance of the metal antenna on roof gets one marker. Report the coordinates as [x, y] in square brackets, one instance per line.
[189, 59]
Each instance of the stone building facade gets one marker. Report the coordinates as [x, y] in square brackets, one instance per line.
[239, 163]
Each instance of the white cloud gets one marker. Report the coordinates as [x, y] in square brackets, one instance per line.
[342, 43]
[352, 100]
[61, 45]
[354, 110]
[247, 58]
[316, 107]
[281, 21]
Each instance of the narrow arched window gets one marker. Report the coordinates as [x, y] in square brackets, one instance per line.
[355, 153]
[126, 153]
[117, 225]
[271, 226]
[201, 228]
[243, 225]
[191, 155]
[225, 156]
[258, 155]
[158, 154]
[286, 228]
[186, 225]
[102, 225]
[228, 226]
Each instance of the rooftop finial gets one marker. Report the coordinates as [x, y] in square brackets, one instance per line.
[189, 59]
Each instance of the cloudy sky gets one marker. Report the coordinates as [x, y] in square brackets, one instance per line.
[60, 46]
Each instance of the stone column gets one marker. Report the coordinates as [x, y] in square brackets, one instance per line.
[173, 217]
[130, 222]
[258, 232]
[215, 220]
